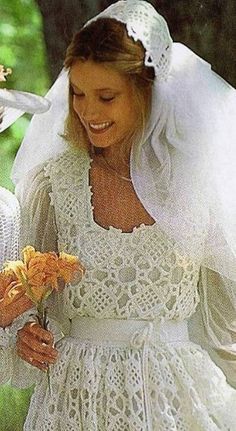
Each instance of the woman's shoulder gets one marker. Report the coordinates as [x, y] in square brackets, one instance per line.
[54, 172]
[71, 160]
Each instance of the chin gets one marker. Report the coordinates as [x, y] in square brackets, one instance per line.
[102, 144]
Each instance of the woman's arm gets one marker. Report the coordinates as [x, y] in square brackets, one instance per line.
[213, 325]
[39, 230]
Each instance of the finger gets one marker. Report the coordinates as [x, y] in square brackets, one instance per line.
[20, 305]
[32, 361]
[37, 331]
[29, 354]
[9, 312]
[43, 367]
[36, 345]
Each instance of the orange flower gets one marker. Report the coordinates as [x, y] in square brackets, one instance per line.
[69, 267]
[10, 288]
[42, 275]
[38, 275]
[43, 269]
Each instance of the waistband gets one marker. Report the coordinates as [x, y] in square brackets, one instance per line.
[129, 332]
[140, 334]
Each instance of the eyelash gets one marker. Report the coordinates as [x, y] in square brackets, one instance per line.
[103, 99]
[107, 99]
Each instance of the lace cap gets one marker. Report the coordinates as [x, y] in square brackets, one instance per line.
[145, 24]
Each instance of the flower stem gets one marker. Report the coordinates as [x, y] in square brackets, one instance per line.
[43, 321]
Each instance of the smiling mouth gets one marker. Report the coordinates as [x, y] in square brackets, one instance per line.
[99, 128]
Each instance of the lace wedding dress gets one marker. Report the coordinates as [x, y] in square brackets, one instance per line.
[126, 362]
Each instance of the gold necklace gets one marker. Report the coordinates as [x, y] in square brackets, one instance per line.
[115, 171]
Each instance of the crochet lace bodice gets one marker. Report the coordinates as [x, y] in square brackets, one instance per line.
[141, 274]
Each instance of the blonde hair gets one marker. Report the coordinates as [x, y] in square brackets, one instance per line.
[106, 41]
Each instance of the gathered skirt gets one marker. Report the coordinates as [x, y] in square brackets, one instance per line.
[131, 375]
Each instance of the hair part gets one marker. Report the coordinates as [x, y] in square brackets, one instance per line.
[106, 41]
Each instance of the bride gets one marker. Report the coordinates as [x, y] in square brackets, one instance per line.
[132, 169]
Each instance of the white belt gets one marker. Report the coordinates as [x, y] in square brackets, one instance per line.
[133, 333]
[129, 332]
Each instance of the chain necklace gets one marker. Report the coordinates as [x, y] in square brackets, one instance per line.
[115, 171]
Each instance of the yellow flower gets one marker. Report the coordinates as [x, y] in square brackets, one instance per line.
[28, 253]
[69, 267]
[38, 294]
[18, 268]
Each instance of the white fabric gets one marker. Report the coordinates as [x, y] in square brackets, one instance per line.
[145, 24]
[26, 102]
[32, 153]
[15, 103]
[129, 332]
[156, 380]
[186, 178]
[9, 226]
[8, 116]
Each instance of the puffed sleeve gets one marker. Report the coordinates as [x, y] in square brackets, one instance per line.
[214, 324]
[39, 230]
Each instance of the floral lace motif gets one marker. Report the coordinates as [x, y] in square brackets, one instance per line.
[129, 275]
[88, 392]
[143, 23]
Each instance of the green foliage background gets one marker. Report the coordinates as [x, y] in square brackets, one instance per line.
[21, 48]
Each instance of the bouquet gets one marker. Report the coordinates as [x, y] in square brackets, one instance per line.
[37, 275]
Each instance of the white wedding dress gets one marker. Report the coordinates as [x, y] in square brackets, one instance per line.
[126, 362]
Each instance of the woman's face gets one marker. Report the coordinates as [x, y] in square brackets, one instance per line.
[104, 102]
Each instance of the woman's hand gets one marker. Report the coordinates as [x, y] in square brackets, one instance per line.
[18, 306]
[35, 346]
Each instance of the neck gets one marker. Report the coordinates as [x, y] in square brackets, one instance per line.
[118, 158]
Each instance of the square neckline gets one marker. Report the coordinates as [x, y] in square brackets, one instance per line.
[110, 228]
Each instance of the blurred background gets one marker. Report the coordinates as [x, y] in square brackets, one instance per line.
[34, 35]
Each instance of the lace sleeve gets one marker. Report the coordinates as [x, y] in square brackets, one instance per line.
[214, 324]
[39, 230]
[37, 213]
